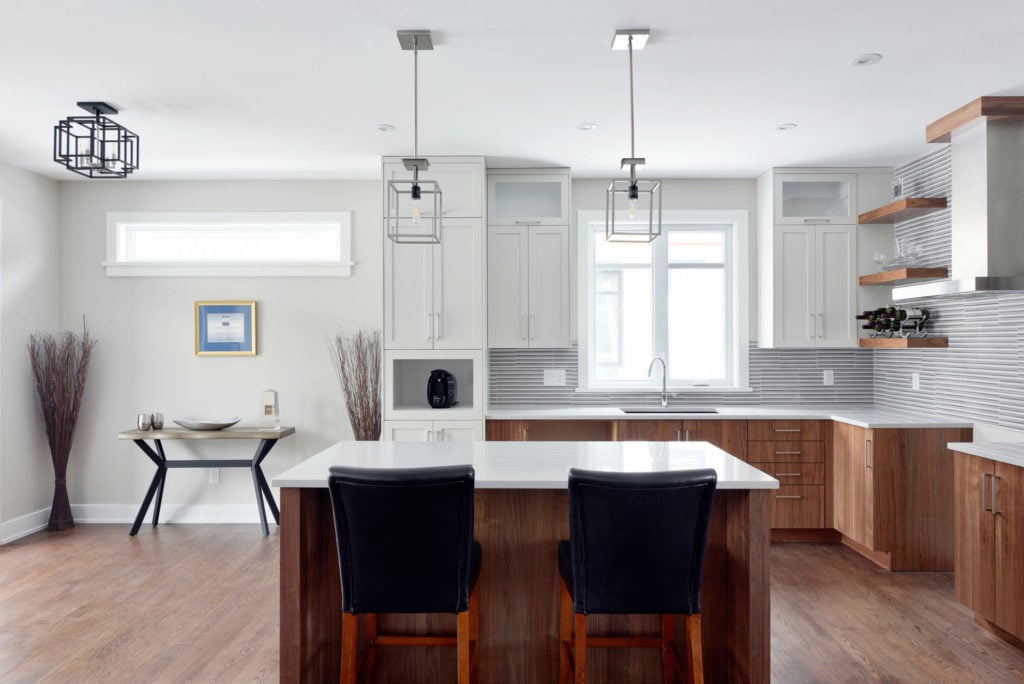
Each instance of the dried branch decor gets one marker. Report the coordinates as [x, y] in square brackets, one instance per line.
[60, 363]
[356, 359]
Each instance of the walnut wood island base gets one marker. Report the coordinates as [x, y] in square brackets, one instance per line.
[521, 513]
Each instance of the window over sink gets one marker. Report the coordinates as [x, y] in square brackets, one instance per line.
[682, 297]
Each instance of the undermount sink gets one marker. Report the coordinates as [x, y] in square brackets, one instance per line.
[667, 409]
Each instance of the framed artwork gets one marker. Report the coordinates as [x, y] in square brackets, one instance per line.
[225, 328]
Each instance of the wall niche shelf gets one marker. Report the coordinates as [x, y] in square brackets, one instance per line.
[903, 275]
[903, 209]
[904, 342]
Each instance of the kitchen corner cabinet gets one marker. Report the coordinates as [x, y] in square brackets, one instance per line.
[989, 524]
[811, 287]
[892, 490]
[432, 293]
[432, 431]
[528, 286]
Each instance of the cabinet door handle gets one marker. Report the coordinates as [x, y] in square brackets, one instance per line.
[522, 326]
[816, 220]
[788, 496]
[787, 474]
[788, 453]
[522, 222]
[430, 435]
[437, 330]
[430, 326]
[679, 435]
[811, 318]
[983, 506]
[533, 326]
[995, 488]
[525, 431]
[788, 430]
[821, 325]
[867, 447]
[687, 435]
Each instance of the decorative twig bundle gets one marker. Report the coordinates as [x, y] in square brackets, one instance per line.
[356, 359]
[60, 363]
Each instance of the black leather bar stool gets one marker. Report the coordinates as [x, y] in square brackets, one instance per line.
[637, 543]
[405, 545]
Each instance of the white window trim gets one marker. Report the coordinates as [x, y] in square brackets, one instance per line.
[739, 289]
[339, 267]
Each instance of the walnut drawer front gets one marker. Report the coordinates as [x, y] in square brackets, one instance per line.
[784, 429]
[794, 473]
[799, 507]
[785, 452]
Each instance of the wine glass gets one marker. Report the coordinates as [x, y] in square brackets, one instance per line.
[879, 259]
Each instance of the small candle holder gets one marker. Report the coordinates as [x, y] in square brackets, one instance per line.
[157, 421]
[145, 421]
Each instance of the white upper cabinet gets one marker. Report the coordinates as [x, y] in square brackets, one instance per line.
[802, 198]
[517, 197]
[460, 183]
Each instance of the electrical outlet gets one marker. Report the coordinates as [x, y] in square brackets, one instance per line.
[554, 377]
[828, 378]
[214, 475]
[915, 381]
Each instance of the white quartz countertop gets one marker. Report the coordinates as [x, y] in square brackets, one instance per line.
[866, 417]
[530, 465]
[1006, 452]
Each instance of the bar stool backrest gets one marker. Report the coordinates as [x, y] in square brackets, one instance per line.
[405, 538]
[638, 540]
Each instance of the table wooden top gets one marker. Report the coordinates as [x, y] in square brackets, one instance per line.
[227, 433]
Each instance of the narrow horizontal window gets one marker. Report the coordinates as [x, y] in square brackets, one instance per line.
[229, 244]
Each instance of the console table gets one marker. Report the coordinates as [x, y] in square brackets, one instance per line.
[267, 439]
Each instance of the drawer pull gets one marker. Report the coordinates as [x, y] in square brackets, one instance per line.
[787, 474]
[788, 496]
[787, 429]
[788, 453]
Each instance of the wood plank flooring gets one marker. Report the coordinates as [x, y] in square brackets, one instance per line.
[199, 603]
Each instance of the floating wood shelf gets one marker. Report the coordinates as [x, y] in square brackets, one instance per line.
[904, 275]
[993, 108]
[903, 209]
[904, 342]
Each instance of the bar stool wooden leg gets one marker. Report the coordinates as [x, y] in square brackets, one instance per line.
[694, 653]
[668, 644]
[565, 637]
[349, 645]
[580, 652]
[463, 646]
[370, 625]
[474, 632]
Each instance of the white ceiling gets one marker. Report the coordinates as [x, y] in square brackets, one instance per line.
[275, 89]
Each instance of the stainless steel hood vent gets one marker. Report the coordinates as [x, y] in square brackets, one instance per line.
[986, 139]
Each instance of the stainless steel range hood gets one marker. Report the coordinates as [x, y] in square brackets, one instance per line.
[986, 140]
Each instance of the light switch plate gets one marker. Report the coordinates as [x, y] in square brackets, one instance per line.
[214, 475]
[554, 377]
[915, 381]
[828, 378]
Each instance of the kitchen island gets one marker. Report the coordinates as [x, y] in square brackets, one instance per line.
[521, 512]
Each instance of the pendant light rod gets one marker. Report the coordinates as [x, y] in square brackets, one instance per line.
[416, 96]
[632, 126]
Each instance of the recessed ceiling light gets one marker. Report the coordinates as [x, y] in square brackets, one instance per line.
[785, 127]
[866, 59]
[386, 127]
[587, 126]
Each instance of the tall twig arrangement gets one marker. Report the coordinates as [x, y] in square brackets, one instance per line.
[60, 363]
[356, 359]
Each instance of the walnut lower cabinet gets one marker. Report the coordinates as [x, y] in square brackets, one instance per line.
[891, 494]
[989, 515]
[728, 435]
[792, 451]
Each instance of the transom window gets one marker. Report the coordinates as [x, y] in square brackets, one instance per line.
[229, 243]
[682, 297]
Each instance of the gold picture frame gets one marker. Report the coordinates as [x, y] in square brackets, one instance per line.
[225, 328]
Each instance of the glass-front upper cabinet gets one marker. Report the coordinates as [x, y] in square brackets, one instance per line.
[816, 198]
[528, 197]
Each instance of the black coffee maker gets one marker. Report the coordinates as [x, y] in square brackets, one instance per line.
[441, 389]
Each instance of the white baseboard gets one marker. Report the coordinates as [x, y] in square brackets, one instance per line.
[24, 526]
[125, 513]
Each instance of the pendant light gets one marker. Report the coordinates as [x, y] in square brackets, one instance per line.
[632, 193]
[414, 206]
[95, 146]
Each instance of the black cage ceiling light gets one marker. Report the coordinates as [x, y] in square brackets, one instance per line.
[95, 146]
[632, 193]
[414, 207]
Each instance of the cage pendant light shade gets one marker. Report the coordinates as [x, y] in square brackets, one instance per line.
[413, 208]
[632, 195]
[95, 146]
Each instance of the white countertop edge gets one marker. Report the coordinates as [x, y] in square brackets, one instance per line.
[1011, 453]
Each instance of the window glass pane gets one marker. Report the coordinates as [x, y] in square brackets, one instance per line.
[697, 324]
[219, 244]
[624, 325]
[696, 247]
[620, 252]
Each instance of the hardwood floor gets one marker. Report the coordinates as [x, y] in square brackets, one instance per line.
[200, 603]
